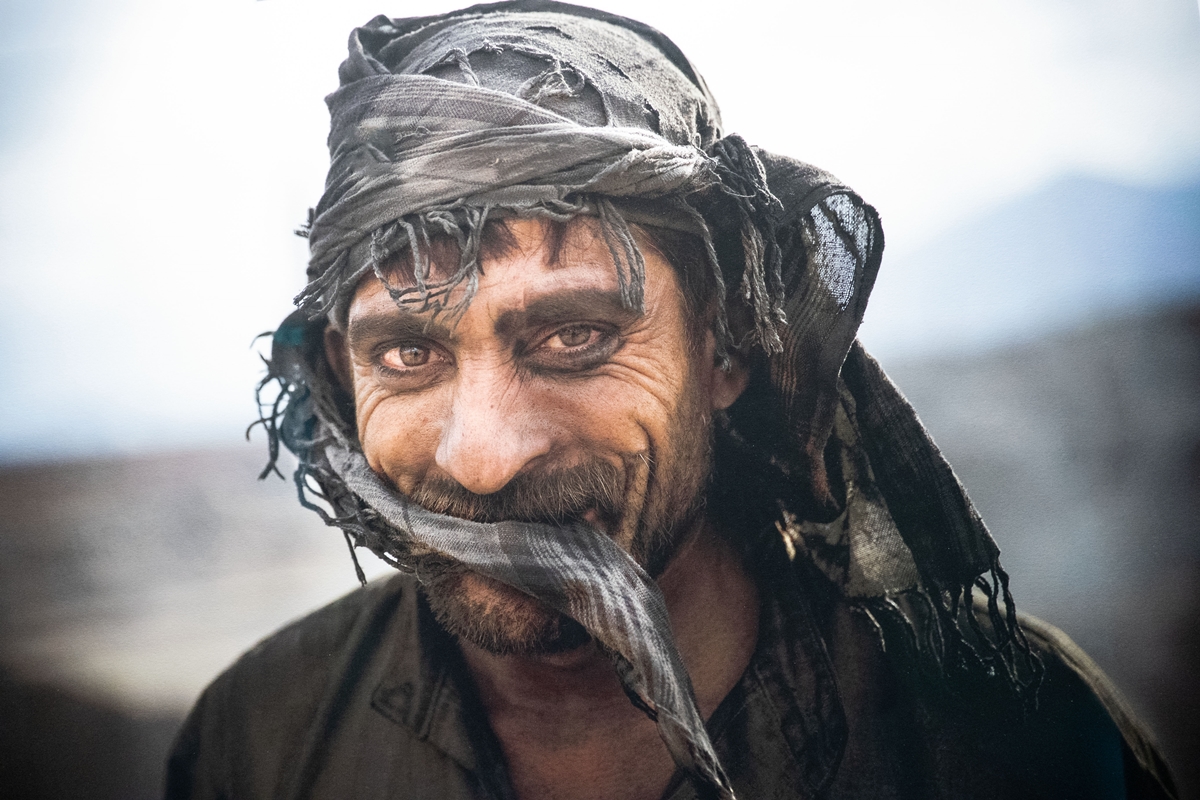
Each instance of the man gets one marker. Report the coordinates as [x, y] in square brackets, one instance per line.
[584, 369]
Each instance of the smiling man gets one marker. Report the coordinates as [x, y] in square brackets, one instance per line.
[583, 368]
[548, 399]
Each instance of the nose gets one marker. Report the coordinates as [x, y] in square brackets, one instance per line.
[492, 432]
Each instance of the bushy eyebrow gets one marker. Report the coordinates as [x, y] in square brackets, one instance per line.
[392, 324]
[578, 305]
[555, 308]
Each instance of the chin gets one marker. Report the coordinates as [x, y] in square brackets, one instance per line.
[498, 618]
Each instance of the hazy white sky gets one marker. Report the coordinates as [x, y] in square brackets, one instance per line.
[157, 156]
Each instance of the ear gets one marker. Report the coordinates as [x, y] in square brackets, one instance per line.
[728, 383]
[337, 355]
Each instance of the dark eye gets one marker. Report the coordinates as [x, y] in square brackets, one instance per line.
[574, 336]
[409, 355]
[575, 348]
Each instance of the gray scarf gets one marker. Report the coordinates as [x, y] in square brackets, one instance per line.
[536, 108]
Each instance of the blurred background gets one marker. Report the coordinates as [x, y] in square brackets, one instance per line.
[1037, 167]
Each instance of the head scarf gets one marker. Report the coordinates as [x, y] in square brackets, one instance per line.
[537, 108]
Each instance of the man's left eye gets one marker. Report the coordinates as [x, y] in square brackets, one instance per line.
[573, 336]
[574, 348]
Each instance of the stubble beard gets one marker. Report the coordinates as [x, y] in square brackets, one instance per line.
[667, 489]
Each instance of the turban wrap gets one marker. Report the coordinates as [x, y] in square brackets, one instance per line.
[536, 108]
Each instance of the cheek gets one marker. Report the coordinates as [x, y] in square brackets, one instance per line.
[633, 406]
[399, 436]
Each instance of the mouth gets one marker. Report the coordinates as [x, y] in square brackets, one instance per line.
[592, 517]
[590, 493]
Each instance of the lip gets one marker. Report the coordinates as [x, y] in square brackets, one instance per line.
[592, 517]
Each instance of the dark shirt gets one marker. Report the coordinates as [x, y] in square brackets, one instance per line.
[368, 698]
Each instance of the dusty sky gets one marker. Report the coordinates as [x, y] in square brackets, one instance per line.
[154, 158]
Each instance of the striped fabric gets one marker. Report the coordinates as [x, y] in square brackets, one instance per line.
[577, 571]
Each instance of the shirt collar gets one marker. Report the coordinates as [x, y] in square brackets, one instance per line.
[422, 689]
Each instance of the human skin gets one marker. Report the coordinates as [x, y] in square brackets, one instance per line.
[547, 370]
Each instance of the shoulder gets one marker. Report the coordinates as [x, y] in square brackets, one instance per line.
[293, 664]
[957, 732]
[257, 713]
[304, 649]
[1079, 704]
[1075, 737]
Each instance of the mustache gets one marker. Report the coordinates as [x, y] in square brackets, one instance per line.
[554, 497]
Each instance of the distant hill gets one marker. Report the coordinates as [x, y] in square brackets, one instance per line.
[1080, 249]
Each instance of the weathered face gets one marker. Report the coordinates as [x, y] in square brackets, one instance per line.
[546, 401]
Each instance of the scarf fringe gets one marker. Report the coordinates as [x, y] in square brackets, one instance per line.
[942, 633]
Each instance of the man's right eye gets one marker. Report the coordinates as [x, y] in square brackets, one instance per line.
[406, 357]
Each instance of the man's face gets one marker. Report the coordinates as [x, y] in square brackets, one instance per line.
[546, 401]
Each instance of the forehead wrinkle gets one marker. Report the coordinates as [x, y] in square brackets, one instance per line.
[540, 246]
[582, 244]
